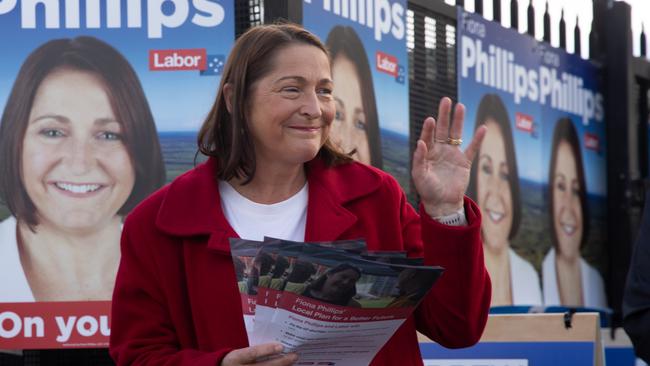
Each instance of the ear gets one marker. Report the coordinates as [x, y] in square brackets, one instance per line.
[227, 96]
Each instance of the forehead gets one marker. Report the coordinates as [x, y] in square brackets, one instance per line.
[66, 76]
[494, 140]
[300, 59]
[566, 160]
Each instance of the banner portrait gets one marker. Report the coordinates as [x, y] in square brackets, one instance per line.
[540, 175]
[367, 43]
[101, 105]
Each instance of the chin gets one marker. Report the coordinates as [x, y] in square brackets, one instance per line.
[304, 155]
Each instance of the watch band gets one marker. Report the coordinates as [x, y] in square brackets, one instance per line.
[456, 219]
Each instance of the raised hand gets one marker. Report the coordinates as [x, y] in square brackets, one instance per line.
[440, 168]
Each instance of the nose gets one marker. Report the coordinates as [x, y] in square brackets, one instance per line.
[311, 106]
[79, 156]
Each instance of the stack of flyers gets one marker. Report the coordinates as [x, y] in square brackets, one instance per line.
[331, 303]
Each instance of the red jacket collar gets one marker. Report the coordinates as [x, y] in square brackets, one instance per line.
[191, 206]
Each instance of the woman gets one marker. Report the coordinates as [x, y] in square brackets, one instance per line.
[79, 149]
[568, 279]
[494, 182]
[176, 299]
[356, 125]
[336, 286]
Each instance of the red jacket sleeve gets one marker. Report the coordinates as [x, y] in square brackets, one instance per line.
[142, 331]
[455, 311]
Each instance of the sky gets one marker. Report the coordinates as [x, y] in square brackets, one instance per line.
[640, 15]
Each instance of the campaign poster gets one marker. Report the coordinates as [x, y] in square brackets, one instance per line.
[367, 43]
[101, 105]
[540, 175]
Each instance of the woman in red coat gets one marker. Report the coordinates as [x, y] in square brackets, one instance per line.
[272, 171]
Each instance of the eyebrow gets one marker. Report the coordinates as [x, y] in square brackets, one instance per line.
[63, 119]
[560, 175]
[302, 79]
[486, 156]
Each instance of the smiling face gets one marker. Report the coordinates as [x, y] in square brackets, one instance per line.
[75, 166]
[349, 130]
[493, 189]
[567, 210]
[291, 109]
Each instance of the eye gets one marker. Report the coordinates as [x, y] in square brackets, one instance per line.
[325, 91]
[290, 90]
[51, 133]
[561, 186]
[340, 116]
[575, 189]
[109, 136]
[486, 168]
[359, 124]
[504, 175]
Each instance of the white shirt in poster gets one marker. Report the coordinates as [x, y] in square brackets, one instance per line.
[13, 284]
[524, 281]
[593, 288]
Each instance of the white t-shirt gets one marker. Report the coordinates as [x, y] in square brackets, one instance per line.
[252, 221]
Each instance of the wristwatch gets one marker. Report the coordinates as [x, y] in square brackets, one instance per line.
[456, 219]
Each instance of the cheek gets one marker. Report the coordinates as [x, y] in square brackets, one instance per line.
[578, 211]
[329, 112]
[505, 196]
[37, 161]
[360, 137]
[118, 165]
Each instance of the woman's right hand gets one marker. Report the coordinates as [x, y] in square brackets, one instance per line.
[270, 353]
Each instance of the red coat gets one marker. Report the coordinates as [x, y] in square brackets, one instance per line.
[176, 300]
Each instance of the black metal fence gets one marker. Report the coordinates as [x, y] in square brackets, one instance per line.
[431, 38]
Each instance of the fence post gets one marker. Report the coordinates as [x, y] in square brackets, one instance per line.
[547, 25]
[531, 19]
[643, 41]
[576, 38]
[514, 15]
[562, 31]
[622, 150]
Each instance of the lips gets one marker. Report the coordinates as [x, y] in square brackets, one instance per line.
[306, 128]
[78, 189]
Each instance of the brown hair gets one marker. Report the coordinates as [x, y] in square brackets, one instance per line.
[226, 136]
[127, 101]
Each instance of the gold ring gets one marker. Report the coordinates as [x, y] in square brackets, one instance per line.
[454, 142]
